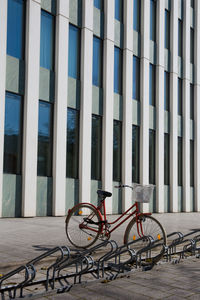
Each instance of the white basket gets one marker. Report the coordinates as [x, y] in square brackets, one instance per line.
[142, 193]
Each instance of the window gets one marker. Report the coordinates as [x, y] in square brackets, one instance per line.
[96, 147]
[180, 96]
[74, 52]
[119, 10]
[118, 71]
[191, 163]
[47, 40]
[166, 91]
[192, 3]
[72, 143]
[13, 134]
[180, 159]
[135, 153]
[15, 28]
[152, 84]
[117, 150]
[136, 78]
[153, 20]
[98, 4]
[167, 29]
[192, 101]
[180, 38]
[97, 62]
[136, 15]
[45, 139]
[166, 159]
[152, 156]
[192, 46]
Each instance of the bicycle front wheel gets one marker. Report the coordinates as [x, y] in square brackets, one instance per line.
[147, 233]
[83, 225]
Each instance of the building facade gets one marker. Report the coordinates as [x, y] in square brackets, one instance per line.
[95, 93]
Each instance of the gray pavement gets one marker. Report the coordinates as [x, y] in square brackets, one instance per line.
[23, 239]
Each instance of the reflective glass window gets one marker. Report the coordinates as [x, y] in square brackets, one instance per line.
[167, 29]
[97, 62]
[118, 71]
[13, 134]
[98, 4]
[15, 28]
[47, 40]
[180, 94]
[166, 159]
[96, 147]
[119, 10]
[191, 163]
[180, 160]
[166, 91]
[153, 20]
[152, 84]
[74, 52]
[192, 3]
[117, 150]
[192, 46]
[72, 143]
[136, 15]
[180, 38]
[192, 101]
[135, 153]
[45, 139]
[152, 156]
[136, 78]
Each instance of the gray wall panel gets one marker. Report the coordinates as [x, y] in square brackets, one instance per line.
[15, 72]
[44, 196]
[72, 193]
[12, 194]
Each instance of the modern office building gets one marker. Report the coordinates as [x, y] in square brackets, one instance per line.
[95, 93]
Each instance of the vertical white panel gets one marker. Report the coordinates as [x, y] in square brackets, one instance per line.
[3, 39]
[108, 99]
[60, 108]
[127, 104]
[31, 97]
[86, 102]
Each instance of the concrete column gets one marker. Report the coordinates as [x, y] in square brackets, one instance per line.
[160, 108]
[197, 107]
[108, 100]
[127, 104]
[173, 108]
[60, 108]
[186, 108]
[86, 102]
[144, 99]
[31, 97]
[3, 39]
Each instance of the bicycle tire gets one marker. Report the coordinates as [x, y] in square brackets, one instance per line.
[82, 238]
[151, 228]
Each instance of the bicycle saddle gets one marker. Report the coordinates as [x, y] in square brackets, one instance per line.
[104, 193]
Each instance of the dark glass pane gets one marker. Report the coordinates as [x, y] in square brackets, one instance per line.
[167, 29]
[135, 153]
[153, 20]
[47, 41]
[45, 139]
[166, 159]
[96, 147]
[191, 163]
[192, 3]
[72, 143]
[152, 156]
[180, 159]
[192, 46]
[180, 97]
[13, 134]
[136, 15]
[166, 90]
[118, 71]
[98, 4]
[152, 83]
[119, 10]
[136, 78]
[97, 62]
[74, 52]
[180, 38]
[117, 150]
[15, 28]
[192, 101]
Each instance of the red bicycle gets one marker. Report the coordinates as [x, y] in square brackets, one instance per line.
[85, 223]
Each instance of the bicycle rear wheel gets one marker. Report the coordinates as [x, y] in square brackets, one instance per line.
[153, 235]
[82, 225]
